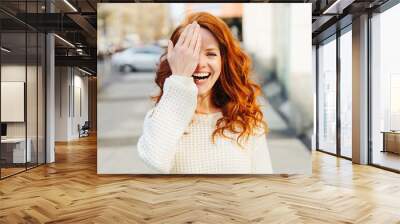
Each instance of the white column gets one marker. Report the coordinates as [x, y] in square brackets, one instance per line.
[50, 105]
[50, 92]
[314, 85]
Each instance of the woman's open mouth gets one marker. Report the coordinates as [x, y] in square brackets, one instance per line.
[201, 76]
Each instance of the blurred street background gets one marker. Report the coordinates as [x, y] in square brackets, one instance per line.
[131, 38]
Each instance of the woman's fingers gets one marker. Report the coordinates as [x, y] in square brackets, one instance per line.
[189, 35]
[193, 41]
[184, 55]
[197, 46]
[182, 37]
[170, 47]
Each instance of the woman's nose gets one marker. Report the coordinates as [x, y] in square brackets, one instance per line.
[202, 61]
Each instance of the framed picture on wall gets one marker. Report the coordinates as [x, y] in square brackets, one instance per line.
[12, 101]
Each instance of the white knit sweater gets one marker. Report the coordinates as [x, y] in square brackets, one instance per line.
[173, 144]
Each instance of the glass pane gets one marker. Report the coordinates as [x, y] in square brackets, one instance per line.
[23, 82]
[13, 87]
[41, 98]
[386, 89]
[32, 82]
[346, 94]
[327, 97]
[31, 101]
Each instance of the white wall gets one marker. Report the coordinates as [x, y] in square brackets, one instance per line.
[70, 84]
[33, 126]
[61, 103]
[79, 115]
[12, 73]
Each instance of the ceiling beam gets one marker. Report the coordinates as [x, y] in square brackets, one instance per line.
[83, 61]
[83, 23]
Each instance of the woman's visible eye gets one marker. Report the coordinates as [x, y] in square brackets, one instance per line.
[211, 54]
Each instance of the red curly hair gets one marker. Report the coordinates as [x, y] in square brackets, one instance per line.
[233, 92]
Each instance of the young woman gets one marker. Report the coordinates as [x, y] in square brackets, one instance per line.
[206, 119]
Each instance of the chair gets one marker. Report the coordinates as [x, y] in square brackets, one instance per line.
[84, 130]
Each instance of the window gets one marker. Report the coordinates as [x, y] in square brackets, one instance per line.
[385, 89]
[346, 94]
[327, 96]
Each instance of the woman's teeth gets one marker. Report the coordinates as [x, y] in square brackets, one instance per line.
[203, 75]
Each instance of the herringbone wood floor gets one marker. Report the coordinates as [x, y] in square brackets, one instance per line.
[70, 191]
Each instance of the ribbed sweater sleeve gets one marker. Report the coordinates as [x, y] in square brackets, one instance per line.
[165, 123]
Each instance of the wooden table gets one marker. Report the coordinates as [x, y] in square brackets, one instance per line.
[391, 141]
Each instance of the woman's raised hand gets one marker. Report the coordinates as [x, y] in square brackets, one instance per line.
[184, 56]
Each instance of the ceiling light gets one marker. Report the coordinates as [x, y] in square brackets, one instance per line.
[337, 7]
[86, 72]
[70, 5]
[64, 40]
[5, 49]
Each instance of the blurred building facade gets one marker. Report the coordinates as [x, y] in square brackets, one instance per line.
[126, 25]
[278, 36]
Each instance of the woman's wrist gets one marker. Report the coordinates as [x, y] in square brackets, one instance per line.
[183, 78]
[182, 74]
[181, 83]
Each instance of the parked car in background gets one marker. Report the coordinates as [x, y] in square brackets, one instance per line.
[144, 58]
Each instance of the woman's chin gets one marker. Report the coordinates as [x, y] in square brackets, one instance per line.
[202, 92]
[201, 89]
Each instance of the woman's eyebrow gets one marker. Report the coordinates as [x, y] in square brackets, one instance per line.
[211, 49]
